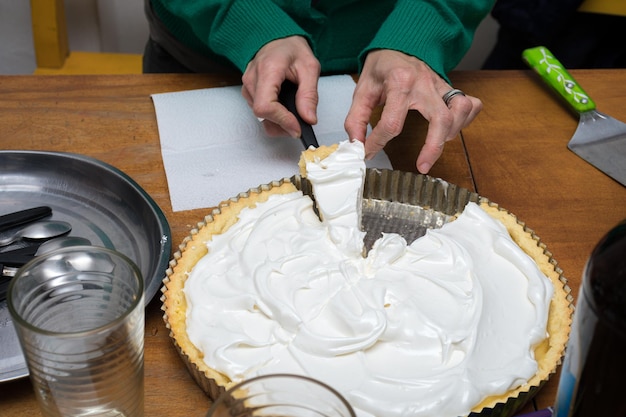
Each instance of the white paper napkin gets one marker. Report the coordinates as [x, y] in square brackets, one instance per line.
[213, 146]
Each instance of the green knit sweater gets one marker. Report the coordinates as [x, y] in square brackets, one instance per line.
[340, 32]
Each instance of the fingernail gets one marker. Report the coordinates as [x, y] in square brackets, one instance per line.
[424, 168]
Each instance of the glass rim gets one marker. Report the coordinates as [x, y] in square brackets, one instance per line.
[245, 382]
[17, 317]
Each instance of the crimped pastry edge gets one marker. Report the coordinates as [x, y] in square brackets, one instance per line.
[561, 308]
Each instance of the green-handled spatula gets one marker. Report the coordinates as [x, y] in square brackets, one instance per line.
[599, 139]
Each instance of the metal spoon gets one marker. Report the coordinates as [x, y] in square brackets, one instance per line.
[10, 263]
[72, 267]
[61, 242]
[38, 231]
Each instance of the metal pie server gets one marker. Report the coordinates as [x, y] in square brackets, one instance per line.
[599, 139]
[287, 97]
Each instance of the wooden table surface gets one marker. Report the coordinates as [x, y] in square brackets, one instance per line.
[514, 153]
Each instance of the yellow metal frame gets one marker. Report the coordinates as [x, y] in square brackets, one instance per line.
[49, 33]
[614, 7]
[52, 50]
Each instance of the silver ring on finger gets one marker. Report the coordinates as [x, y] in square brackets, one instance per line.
[447, 98]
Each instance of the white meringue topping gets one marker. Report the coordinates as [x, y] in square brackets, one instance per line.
[426, 329]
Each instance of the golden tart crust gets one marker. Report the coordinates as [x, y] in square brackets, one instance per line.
[549, 353]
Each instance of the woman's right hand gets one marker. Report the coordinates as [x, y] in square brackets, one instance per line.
[283, 59]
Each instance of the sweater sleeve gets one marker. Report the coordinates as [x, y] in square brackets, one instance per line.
[234, 29]
[439, 32]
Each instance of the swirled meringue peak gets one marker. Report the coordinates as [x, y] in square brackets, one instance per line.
[424, 329]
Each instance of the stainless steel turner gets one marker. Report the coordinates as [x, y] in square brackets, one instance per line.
[599, 139]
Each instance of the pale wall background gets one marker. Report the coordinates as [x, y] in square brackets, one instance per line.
[120, 26]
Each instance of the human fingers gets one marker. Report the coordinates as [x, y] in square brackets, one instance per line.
[364, 100]
[476, 105]
[307, 97]
[261, 92]
[445, 124]
[283, 59]
[406, 83]
[391, 121]
[394, 80]
[274, 130]
[397, 81]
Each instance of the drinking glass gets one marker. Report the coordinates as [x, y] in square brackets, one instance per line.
[79, 316]
[281, 395]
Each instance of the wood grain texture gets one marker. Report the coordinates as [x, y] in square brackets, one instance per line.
[518, 153]
[514, 154]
